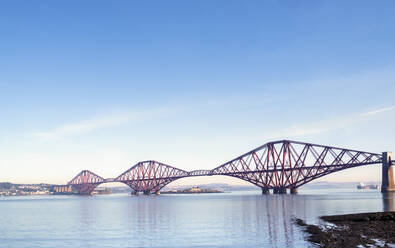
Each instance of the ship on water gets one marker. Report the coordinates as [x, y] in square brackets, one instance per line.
[367, 186]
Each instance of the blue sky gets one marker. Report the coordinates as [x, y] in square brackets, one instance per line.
[101, 85]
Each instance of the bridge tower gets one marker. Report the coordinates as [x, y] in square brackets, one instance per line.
[387, 180]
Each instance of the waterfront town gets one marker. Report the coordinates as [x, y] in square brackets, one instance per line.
[10, 189]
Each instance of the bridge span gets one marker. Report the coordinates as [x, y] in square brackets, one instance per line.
[278, 166]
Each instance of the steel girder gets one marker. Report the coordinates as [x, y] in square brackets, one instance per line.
[86, 181]
[150, 176]
[275, 165]
[290, 164]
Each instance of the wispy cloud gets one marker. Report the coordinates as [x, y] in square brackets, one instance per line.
[378, 111]
[104, 121]
[329, 125]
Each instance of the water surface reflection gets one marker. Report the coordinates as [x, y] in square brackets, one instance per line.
[240, 219]
[388, 201]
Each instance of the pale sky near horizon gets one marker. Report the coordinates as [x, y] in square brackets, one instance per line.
[101, 85]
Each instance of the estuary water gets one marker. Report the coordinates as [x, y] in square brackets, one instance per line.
[237, 219]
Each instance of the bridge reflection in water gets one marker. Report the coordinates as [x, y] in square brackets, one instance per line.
[238, 219]
[389, 201]
[279, 166]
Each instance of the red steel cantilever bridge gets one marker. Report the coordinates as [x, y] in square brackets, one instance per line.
[277, 166]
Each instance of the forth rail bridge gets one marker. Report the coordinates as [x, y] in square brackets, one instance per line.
[279, 166]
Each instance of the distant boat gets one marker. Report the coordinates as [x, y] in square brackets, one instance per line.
[369, 186]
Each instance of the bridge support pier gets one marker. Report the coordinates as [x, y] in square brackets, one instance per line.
[282, 191]
[135, 193]
[387, 179]
[276, 191]
[157, 192]
[294, 191]
[265, 191]
[146, 192]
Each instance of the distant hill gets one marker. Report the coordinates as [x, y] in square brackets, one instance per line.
[5, 185]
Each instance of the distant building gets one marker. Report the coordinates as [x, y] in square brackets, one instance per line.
[63, 189]
[195, 189]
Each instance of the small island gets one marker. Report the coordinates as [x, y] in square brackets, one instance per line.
[193, 190]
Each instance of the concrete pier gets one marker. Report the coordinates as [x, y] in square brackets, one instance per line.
[146, 192]
[265, 191]
[276, 191]
[387, 179]
[157, 193]
[282, 191]
[135, 193]
[294, 191]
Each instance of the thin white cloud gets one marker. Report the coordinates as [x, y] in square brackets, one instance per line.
[378, 111]
[89, 125]
[82, 127]
[329, 125]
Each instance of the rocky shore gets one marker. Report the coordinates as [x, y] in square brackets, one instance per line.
[353, 230]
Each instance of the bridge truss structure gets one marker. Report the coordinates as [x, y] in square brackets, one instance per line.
[277, 166]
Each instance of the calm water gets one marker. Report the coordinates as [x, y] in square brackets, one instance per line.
[239, 219]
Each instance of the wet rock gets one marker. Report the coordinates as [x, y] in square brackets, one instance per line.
[353, 230]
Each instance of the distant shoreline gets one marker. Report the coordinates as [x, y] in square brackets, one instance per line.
[170, 192]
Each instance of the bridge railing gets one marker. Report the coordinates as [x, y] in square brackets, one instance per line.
[197, 173]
